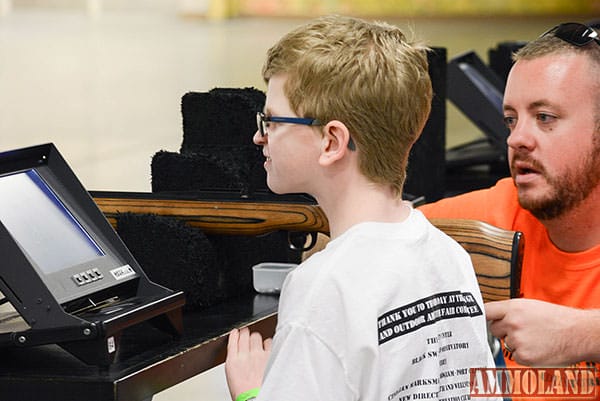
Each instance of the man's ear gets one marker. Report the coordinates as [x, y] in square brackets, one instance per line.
[334, 144]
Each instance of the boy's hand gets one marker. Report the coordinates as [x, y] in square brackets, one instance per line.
[247, 356]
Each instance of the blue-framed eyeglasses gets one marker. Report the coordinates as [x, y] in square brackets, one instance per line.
[574, 33]
[262, 121]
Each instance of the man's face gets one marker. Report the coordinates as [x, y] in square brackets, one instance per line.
[291, 150]
[550, 106]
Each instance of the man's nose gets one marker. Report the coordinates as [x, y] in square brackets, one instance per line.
[521, 136]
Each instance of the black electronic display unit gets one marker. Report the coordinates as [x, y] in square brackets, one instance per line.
[477, 91]
[64, 270]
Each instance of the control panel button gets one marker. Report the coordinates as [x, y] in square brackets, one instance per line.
[91, 275]
[78, 279]
[87, 276]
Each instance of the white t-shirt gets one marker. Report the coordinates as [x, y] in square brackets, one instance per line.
[386, 312]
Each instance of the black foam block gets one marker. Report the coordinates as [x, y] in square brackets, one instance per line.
[208, 268]
[213, 167]
[217, 153]
[175, 255]
[222, 116]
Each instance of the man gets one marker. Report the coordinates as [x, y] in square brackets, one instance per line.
[552, 108]
[391, 309]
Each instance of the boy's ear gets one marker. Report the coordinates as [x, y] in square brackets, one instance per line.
[334, 144]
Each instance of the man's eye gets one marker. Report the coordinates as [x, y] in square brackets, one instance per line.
[509, 121]
[545, 118]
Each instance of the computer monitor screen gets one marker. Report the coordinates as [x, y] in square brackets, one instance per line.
[42, 226]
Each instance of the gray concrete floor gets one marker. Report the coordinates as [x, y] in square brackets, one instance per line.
[106, 88]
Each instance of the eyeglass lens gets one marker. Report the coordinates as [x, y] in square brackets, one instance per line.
[260, 123]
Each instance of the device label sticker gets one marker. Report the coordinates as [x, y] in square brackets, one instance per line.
[122, 272]
[110, 342]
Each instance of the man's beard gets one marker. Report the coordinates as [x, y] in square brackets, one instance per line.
[568, 190]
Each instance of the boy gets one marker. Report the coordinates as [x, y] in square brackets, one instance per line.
[391, 309]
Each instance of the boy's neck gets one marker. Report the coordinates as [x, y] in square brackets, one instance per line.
[354, 205]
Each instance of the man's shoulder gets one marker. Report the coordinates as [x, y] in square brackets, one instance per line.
[497, 205]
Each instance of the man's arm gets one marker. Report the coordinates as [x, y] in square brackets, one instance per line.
[544, 334]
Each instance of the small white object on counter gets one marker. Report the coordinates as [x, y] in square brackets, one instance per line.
[268, 277]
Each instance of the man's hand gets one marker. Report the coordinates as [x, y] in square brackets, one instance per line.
[247, 356]
[543, 334]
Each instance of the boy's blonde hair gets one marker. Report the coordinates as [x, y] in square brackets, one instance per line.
[366, 75]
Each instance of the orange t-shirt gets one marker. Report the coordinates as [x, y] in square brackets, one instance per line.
[549, 274]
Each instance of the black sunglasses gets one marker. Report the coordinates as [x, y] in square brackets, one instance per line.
[574, 33]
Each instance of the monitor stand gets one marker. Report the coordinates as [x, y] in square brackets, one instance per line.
[93, 334]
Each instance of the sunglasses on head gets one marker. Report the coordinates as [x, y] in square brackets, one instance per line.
[574, 33]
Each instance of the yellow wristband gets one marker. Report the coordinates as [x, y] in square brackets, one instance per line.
[248, 395]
